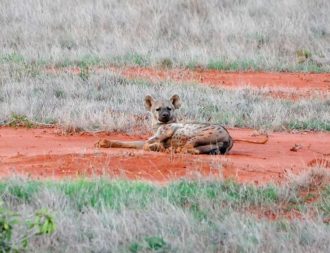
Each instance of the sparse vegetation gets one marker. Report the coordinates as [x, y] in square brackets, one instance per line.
[103, 215]
[108, 102]
[115, 215]
[11, 240]
[233, 66]
[253, 34]
[17, 120]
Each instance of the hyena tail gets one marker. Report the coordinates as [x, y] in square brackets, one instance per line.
[120, 144]
[261, 141]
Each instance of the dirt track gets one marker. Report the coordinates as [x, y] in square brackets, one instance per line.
[280, 84]
[46, 153]
[298, 81]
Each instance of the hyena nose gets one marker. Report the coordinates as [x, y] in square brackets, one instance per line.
[165, 114]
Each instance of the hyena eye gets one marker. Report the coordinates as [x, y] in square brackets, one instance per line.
[169, 108]
[157, 109]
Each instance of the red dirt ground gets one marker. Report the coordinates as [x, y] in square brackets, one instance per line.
[300, 81]
[47, 153]
[280, 84]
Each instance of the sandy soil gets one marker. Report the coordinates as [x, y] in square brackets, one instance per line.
[48, 153]
[280, 84]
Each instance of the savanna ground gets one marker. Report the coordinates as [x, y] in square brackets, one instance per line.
[72, 72]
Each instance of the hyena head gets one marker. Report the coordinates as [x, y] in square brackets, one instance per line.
[162, 110]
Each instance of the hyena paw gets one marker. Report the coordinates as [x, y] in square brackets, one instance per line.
[157, 147]
[189, 149]
[103, 143]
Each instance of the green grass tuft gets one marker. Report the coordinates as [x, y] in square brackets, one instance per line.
[102, 193]
[18, 120]
[226, 65]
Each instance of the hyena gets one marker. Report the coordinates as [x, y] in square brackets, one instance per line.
[169, 135]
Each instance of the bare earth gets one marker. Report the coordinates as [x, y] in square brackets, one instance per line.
[47, 153]
[281, 85]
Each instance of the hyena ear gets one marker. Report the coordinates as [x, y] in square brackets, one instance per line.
[148, 101]
[176, 101]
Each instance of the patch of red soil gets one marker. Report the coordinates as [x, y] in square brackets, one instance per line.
[320, 162]
[283, 212]
[280, 84]
[46, 153]
[308, 81]
[309, 194]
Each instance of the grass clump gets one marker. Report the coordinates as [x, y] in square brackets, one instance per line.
[166, 63]
[323, 204]
[303, 55]
[130, 59]
[87, 60]
[12, 58]
[226, 65]
[40, 224]
[150, 244]
[228, 192]
[313, 125]
[101, 193]
[18, 120]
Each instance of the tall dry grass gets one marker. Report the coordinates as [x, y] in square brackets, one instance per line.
[257, 33]
[101, 215]
[108, 102]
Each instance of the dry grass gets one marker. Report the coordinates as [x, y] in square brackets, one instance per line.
[107, 102]
[99, 215]
[219, 34]
[199, 216]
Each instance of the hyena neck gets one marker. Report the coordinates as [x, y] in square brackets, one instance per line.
[156, 124]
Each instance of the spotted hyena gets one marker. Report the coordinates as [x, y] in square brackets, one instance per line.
[194, 138]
